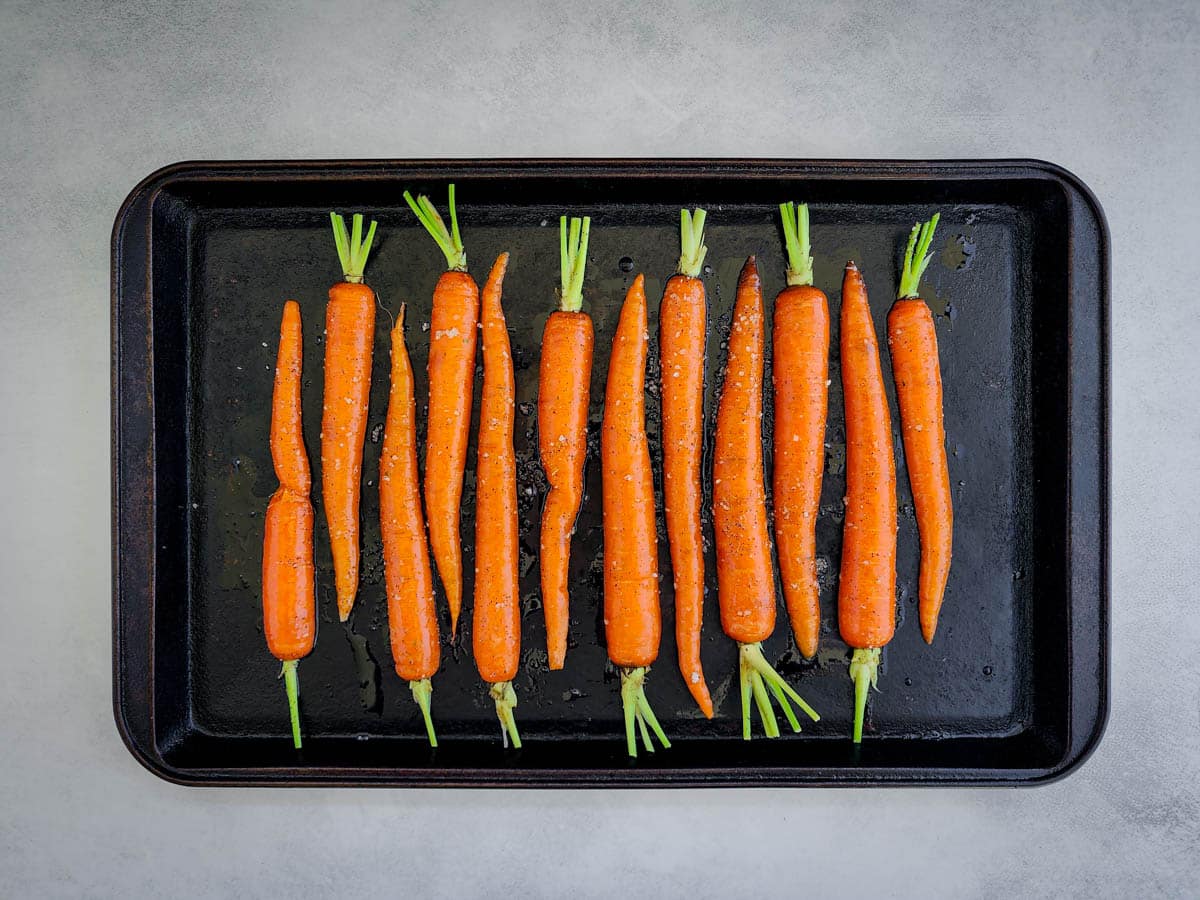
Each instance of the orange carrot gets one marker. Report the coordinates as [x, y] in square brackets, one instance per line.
[349, 340]
[452, 340]
[564, 379]
[412, 617]
[867, 589]
[496, 625]
[632, 617]
[913, 344]
[683, 326]
[800, 373]
[745, 578]
[289, 606]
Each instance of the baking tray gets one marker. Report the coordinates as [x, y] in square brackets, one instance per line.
[1015, 690]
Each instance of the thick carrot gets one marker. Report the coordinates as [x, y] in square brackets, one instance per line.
[632, 616]
[349, 340]
[564, 379]
[745, 578]
[867, 587]
[289, 606]
[683, 327]
[496, 625]
[412, 617]
[452, 340]
[913, 344]
[800, 372]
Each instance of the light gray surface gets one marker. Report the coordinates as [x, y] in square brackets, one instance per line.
[90, 103]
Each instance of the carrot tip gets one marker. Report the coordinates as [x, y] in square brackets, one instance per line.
[638, 714]
[422, 691]
[506, 702]
[864, 669]
[755, 677]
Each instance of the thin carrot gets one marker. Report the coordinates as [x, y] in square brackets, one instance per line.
[867, 587]
[349, 340]
[564, 379]
[453, 323]
[800, 370]
[745, 578]
[632, 617]
[496, 626]
[912, 341]
[289, 606]
[412, 617]
[682, 330]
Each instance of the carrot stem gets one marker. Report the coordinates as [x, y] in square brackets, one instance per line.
[638, 714]
[916, 257]
[506, 702]
[864, 669]
[352, 248]
[573, 242]
[291, 683]
[691, 241]
[799, 248]
[422, 691]
[755, 675]
[449, 240]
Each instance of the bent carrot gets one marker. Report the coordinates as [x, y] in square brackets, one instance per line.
[496, 626]
[632, 617]
[912, 341]
[745, 578]
[289, 605]
[564, 379]
[349, 341]
[452, 340]
[867, 586]
[800, 372]
[683, 327]
[412, 618]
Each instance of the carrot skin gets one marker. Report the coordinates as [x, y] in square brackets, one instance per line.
[496, 626]
[564, 381]
[453, 325]
[412, 616]
[867, 586]
[745, 578]
[912, 341]
[800, 372]
[682, 333]
[632, 615]
[349, 342]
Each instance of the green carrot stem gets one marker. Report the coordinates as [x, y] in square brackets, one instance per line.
[422, 691]
[864, 669]
[638, 714]
[755, 674]
[506, 702]
[573, 243]
[291, 683]
[799, 247]
[916, 258]
[691, 242]
[352, 248]
[448, 239]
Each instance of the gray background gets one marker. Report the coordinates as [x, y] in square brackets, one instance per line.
[92, 101]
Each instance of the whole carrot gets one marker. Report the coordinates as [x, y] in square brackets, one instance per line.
[496, 626]
[632, 616]
[683, 326]
[564, 379]
[412, 618]
[913, 344]
[745, 578]
[867, 587]
[289, 606]
[800, 372]
[453, 323]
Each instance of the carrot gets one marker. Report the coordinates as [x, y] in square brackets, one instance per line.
[745, 578]
[632, 617]
[564, 377]
[913, 344]
[682, 330]
[412, 618]
[453, 323]
[289, 606]
[496, 626]
[867, 588]
[800, 341]
[349, 340]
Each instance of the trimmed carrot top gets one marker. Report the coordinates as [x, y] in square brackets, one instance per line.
[447, 238]
[691, 237]
[352, 248]
[799, 249]
[916, 258]
[573, 242]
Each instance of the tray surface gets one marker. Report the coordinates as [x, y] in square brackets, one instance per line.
[1013, 690]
